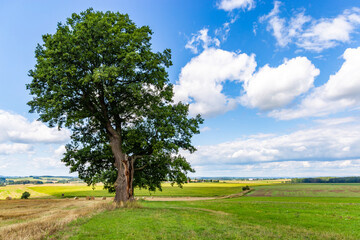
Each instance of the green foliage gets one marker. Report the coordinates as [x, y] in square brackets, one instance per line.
[2, 181]
[246, 188]
[98, 71]
[25, 195]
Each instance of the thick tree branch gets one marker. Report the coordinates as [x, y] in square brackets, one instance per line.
[140, 168]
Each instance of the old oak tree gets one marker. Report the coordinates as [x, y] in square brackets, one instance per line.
[98, 76]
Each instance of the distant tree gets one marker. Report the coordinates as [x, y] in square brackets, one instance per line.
[2, 181]
[25, 195]
[98, 76]
[11, 182]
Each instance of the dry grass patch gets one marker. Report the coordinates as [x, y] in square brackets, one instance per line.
[37, 218]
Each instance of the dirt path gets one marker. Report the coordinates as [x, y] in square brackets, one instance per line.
[169, 199]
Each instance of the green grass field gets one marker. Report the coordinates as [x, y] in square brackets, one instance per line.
[309, 190]
[239, 218]
[277, 211]
[303, 213]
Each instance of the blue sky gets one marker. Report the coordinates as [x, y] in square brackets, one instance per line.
[278, 82]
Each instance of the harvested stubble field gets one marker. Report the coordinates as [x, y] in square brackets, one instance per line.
[38, 218]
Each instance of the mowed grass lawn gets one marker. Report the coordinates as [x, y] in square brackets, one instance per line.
[188, 190]
[238, 218]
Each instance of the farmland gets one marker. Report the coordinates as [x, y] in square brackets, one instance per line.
[82, 190]
[188, 190]
[309, 190]
[271, 211]
[15, 191]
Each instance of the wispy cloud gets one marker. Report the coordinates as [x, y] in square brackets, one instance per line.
[14, 148]
[322, 143]
[230, 5]
[201, 40]
[283, 169]
[309, 33]
[335, 121]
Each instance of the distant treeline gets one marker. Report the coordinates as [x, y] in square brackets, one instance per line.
[12, 182]
[203, 180]
[36, 180]
[327, 180]
[49, 176]
[238, 178]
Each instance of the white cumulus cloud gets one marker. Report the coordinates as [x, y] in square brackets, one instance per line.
[271, 88]
[16, 128]
[201, 80]
[341, 92]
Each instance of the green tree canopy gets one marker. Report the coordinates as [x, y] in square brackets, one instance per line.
[98, 76]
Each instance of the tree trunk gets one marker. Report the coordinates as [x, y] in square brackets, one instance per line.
[125, 166]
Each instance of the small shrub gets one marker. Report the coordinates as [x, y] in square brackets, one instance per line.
[246, 188]
[25, 195]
